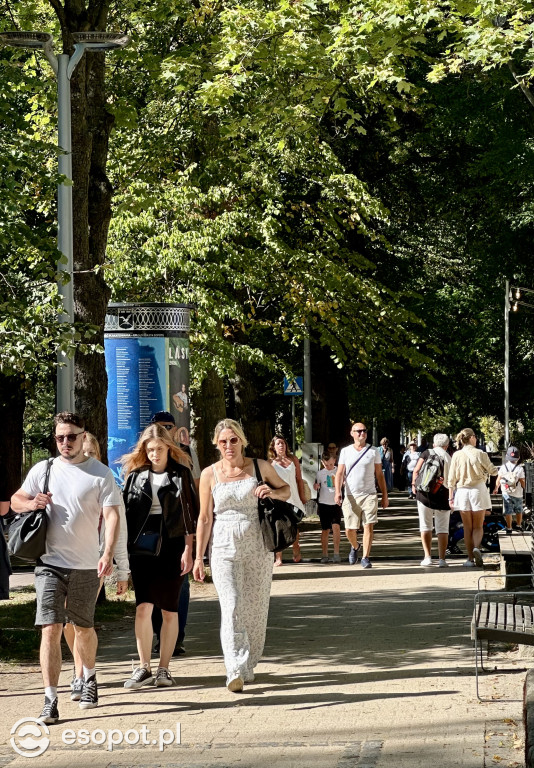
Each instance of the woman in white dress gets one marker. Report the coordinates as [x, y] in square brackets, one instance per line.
[288, 469]
[241, 566]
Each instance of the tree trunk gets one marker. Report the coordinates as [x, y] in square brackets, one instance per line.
[92, 192]
[330, 409]
[12, 403]
[208, 407]
[253, 410]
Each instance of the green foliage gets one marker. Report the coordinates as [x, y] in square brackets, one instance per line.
[29, 301]
[240, 202]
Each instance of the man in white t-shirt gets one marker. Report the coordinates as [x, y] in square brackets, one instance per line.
[360, 469]
[67, 576]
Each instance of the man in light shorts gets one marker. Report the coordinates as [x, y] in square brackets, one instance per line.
[360, 467]
[434, 506]
[67, 576]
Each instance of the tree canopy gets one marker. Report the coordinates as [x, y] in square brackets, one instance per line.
[355, 172]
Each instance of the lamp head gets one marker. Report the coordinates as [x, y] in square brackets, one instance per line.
[26, 39]
[101, 41]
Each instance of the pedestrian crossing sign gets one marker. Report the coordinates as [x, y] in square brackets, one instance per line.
[293, 386]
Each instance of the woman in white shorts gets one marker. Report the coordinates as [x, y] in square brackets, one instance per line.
[467, 476]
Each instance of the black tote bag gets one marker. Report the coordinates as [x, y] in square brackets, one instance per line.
[27, 533]
[278, 520]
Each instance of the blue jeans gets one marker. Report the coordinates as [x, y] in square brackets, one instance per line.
[512, 505]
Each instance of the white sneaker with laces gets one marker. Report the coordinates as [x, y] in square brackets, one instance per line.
[426, 561]
[469, 564]
[140, 676]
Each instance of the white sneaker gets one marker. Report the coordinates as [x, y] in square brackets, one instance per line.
[426, 561]
[469, 564]
[479, 562]
[443, 564]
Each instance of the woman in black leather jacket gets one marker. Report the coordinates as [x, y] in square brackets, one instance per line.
[159, 496]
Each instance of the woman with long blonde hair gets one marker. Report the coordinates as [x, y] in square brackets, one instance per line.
[159, 497]
[468, 493]
[241, 566]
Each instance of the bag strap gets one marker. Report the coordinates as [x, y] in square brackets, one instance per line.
[357, 460]
[259, 478]
[47, 475]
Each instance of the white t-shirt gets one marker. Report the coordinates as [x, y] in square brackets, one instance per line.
[327, 491]
[518, 473]
[79, 491]
[157, 479]
[361, 480]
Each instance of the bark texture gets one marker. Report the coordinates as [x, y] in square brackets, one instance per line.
[330, 410]
[252, 408]
[208, 407]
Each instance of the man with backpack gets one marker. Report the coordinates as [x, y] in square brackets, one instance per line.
[511, 481]
[429, 484]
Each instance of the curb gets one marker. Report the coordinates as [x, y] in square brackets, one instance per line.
[528, 718]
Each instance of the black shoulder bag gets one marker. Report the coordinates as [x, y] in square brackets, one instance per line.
[278, 520]
[27, 533]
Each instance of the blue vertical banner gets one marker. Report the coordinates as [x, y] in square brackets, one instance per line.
[137, 387]
[147, 362]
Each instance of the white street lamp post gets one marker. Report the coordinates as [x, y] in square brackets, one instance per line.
[64, 66]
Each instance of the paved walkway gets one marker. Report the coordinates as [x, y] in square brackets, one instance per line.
[362, 669]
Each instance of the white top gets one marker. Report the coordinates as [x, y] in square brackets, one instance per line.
[361, 480]
[157, 479]
[289, 475]
[411, 458]
[519, 473]
[79, 491]
[327, 491]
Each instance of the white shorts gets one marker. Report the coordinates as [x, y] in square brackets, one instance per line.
[475, 499]
[439, 516]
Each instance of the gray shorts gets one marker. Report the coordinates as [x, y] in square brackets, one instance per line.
[65, 595]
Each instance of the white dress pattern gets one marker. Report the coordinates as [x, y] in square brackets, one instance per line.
[241, 569]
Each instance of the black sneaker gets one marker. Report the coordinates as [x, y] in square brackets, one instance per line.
[76, 688]
[179, 650]
[517, 527]
[509, 531]
[140, 676]
[50, 713]
[89, 698]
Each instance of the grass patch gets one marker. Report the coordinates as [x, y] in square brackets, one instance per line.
[19, 640]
